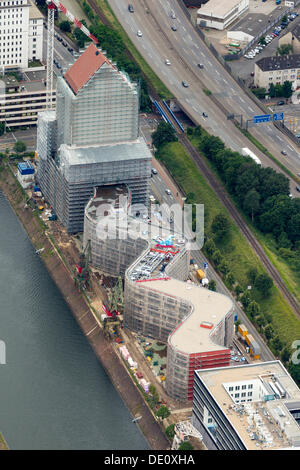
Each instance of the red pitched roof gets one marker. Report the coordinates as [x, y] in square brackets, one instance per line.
[85, 67]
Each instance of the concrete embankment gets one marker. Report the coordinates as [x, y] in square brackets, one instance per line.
[104, 350]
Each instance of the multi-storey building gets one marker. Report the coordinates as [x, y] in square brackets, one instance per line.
[196, 323]
[21, 34]
[219, 15]
[96, 139]
[277, 70]
[248, 407]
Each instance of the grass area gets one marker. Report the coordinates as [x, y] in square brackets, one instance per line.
[152, 78]
[289, 275]
[235, 249]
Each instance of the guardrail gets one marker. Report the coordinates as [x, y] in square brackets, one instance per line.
[161, 112]
[173, 116]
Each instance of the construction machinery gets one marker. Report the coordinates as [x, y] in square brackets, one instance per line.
[81, 271]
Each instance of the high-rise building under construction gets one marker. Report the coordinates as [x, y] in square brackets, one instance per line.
[92, 139]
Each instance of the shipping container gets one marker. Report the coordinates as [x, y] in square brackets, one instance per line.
[242, 329]
[200, 274]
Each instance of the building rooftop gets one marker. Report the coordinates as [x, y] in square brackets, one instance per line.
[217, 8]
[263, 423]
[279, 62]
[34, 12]
[116, 196]
[208, 309]
[85, 67]
[130, 150]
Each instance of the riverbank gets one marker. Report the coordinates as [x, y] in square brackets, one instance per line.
[104, 350]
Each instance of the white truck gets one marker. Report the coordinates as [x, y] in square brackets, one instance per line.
[248, 153]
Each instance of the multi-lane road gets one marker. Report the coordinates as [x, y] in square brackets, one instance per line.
[186, 50]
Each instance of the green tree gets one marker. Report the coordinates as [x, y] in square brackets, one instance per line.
[238, 290]
[246, 299]
[259, 92]
[269, 332]
[263, 284]
[65, 26]
[170, 431]
[212, 285]
[253, 309]
[186, 445]
[287, 89]
[229, 278]
[285, 354]
[285, 49]
[272, 90]
[163, 135]
[252, 274]
[163, 412]
[294, 370]
[210, 246]
[19, 147]
[251, 203]
[154, 397]
[262, 40]
[217, 257]
[220, 226]
[2, 128]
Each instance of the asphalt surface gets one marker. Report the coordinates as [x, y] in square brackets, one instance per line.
[185, 50]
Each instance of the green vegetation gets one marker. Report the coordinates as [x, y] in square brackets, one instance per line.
[20, 147]
[284, 49]
[259, 92]
[65, 26]
[163, 412]
[207, 91]
[284, 90]
[232, 254]
[164, 133]
[2, 128]
[186, 446]
[170, 431]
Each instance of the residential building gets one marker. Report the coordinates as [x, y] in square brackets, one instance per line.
[292, 38]
[96, 138]
[277, 70]
[21, 34]
[219, 15]
[247, 407]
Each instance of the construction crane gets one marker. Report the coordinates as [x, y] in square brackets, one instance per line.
[50, 44]
[81, 271]
[116, 298]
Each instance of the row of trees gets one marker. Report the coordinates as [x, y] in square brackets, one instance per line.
[275, 91]
[262, 193]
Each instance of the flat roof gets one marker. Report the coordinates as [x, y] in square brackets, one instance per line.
[131, 150]
[208, 309]
[108, 195]
[34, 12]
[267, 411]
[217, 7]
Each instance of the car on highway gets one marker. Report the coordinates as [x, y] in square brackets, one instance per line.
[130, 8]
[298, 188]
[70, 49]
[154, 171]
[139, 34]
[283, 152]
[167, 62]
[64, 44]
[173, 16]
[58, 65]
[204, 115]
[173, 27]
[280, 103]
[201, 66]
[185, 84]
[168, 192]
[59, 38]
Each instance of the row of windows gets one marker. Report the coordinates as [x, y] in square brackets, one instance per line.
[244, 387]
[13, 2]
[243, 394]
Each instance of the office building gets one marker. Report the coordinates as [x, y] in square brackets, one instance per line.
[248, 407]
[219, 15]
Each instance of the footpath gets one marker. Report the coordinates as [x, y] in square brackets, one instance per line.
[85, 317]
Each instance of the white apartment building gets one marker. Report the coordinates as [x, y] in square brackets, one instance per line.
[218, 15]
[21, 34]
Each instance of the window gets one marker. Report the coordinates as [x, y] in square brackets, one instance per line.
[236, 395]
[237, 387]
[250, 386]
[244, 387]
[249, 394]
[230, 389]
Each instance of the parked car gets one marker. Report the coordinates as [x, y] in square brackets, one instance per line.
[173, 27]
[204, 115]
[168, 192]
[167, 62]
[130, 8]
[154, 171]
[298, 188]
[280, 103]
[139, 34]
[185, 84]
[283, 152]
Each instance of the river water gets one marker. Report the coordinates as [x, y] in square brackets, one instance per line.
[54, 394]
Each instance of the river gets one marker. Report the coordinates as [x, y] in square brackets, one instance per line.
[54, 394]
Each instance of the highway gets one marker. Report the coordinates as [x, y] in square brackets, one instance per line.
[185, 50]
